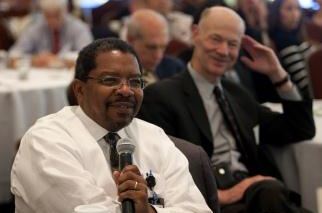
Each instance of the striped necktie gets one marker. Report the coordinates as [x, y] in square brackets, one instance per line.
[111, 138]
[227, 114]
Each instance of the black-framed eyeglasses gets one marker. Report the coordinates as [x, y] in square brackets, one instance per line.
[114, 81]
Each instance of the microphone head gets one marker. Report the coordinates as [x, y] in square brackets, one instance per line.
[125, 145]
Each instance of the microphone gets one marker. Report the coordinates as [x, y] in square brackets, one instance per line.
[125, 149]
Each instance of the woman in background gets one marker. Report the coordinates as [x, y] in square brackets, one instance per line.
[285, 31]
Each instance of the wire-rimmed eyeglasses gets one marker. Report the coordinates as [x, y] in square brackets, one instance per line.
[114, 81]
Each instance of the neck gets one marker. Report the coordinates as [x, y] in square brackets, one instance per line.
[197, 67]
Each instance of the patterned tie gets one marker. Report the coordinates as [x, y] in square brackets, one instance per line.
[111, 138]
[228, 114]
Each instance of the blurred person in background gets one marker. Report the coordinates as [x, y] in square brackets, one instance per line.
[254, 13]
[179, 23]
[18, 24]
[286, 33]
[14, 16]
[284, 28]
[191, 6]
[53, 35]
[148, 33]
[313, 26]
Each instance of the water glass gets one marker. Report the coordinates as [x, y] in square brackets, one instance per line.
[22, 64]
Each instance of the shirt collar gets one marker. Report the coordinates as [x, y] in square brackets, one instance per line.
[97, 131]
[205, 87]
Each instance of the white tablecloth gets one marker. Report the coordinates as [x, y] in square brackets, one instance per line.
[319, 200]
[317, 110]
[301, 164]
[22, 102]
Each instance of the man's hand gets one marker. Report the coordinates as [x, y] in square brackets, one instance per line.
[46, 59]
[131, 185]
[236, 193]
[263, 59]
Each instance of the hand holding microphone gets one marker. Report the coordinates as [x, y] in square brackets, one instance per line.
[132, 187]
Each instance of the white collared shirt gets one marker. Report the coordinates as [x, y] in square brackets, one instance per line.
[60, 165]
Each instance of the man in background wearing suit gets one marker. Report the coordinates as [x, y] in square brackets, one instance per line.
[201, 106]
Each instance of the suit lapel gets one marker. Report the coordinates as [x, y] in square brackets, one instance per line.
[247, 147]
[195, 105]
[236, 111]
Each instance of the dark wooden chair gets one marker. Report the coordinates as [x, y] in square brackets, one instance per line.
[315, 69]
[313, 32]
[200, 170]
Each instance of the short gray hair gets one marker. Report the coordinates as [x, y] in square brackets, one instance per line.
[225, 11]
[143, 17]
[48, 5]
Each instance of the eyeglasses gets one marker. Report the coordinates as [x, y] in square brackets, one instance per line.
[114, 81]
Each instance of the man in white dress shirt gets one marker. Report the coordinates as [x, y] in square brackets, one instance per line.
[63, 160]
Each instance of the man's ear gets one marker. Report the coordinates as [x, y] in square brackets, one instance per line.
[194, 32]
[77, 91]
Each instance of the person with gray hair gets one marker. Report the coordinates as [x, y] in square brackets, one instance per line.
[179, 22]
[148, 32]
[202, 106]
[52, 35]
[46, 5]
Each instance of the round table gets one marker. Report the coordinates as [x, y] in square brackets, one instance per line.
[22, 102]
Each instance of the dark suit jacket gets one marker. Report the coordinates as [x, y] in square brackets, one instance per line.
[175, 105]
[200, 169]
[168, 67]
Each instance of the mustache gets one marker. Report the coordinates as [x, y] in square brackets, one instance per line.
[122, 100]
[220, 58]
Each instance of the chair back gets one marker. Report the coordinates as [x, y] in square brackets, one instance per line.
[200, 170]
[315, 69]
[313, 32]
[176, 47]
